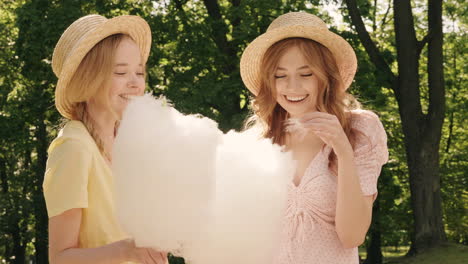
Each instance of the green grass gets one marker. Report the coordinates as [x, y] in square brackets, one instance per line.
[446, 254]
[387, 252]
[391, 252]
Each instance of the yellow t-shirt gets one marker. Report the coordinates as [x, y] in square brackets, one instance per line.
[77, 176]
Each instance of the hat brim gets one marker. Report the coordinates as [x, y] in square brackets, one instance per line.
[250, 64]
[133, 26]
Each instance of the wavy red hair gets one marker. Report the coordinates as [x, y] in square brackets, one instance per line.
[331, 98]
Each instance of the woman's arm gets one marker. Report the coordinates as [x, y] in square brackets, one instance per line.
[353, 209]
[63, 245]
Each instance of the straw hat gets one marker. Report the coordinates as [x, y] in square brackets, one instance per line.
[81, 36]
[301, 25]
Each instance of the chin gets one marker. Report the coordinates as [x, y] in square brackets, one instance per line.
[298, 111]
[118, 111]
[296, 114]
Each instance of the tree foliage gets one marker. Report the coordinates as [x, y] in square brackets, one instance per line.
[194, 62]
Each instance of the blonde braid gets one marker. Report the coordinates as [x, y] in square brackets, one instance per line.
[83, 115]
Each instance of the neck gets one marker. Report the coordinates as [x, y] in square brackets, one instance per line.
[104, 125]
[295, 140]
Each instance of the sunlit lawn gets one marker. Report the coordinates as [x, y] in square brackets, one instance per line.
[446, 254]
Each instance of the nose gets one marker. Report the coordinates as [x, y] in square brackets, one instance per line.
[292, 84]
[133, 81]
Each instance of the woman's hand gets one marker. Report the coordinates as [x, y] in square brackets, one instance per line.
[142, 255]
[64, 245]
[353, 213]
[328, 128]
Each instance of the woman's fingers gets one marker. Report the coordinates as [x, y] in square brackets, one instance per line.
[311, 121]
[145, 255]
[325, 127]
[157, 257]
[317, 115]
[164, 257]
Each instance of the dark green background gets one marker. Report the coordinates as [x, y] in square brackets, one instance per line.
[194, 62]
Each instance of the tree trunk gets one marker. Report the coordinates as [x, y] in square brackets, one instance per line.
[374, 251]
[219, 31]
[41, 228]
[425, 180]
[422, 132]
[19, 250]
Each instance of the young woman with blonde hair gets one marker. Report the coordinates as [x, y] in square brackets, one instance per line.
[299, 72]
[100, 64]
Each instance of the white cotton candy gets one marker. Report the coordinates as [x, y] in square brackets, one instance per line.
[163, 163]
[251, 180]
[295, 125]
[184, 187]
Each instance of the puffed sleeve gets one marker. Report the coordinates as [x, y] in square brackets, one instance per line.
[66, 177]
[370, 151]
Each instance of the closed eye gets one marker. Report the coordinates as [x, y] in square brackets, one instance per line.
[306, 75]
[120, 73]
[280, 76]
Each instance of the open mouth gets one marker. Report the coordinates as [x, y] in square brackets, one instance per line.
[127, 96]
[295, 99]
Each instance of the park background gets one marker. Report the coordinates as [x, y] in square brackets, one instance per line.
[412, 72]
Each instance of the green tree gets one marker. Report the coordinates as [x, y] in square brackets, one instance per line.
[15, 159]
[195, 63]
[28, 117]
[197, 49]
[422, 129]
[454, 143]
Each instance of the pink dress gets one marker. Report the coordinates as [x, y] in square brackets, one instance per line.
[308, 233]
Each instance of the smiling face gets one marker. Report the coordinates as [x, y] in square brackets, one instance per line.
[128, 75]
[296, 85]
[297, 76]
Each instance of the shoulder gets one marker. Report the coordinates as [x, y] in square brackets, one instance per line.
[370, 135]
[362, 119]
[368, 124]
[73, 136]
